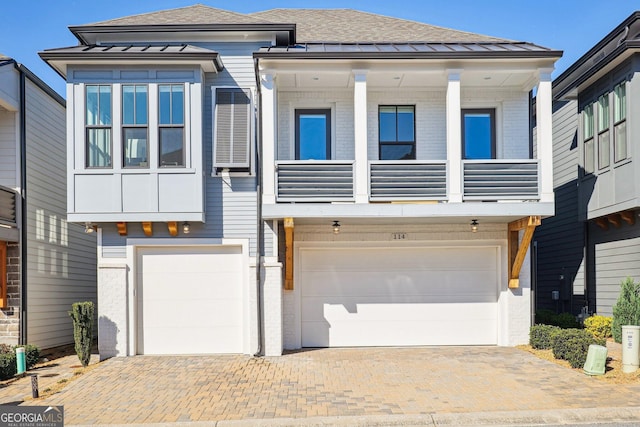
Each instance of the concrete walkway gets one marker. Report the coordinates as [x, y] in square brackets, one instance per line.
[361, 386]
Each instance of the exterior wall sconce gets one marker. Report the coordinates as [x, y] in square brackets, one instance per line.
[336, 227]
[474, 225]
[89, 228]
[186, 228]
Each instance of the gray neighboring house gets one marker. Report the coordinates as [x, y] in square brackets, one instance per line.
[46, 263]
[305, 178]
[593, 241]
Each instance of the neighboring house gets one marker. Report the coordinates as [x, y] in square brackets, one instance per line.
[46, 264]
[305, 178]
[593, 241]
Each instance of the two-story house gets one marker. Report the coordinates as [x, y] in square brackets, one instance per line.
[305, 178]
[593, 242]
[46, 263]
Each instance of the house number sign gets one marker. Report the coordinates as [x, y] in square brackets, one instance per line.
[399, 236]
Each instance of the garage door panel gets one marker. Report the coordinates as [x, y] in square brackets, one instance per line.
[398, 296]
[190, 300]
[178, 341]
[379, 282]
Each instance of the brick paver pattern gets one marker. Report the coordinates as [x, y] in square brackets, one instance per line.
[330, 382]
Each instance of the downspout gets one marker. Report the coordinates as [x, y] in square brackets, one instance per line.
[23, 209]
[260, 227]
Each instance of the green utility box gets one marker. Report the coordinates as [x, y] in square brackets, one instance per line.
[596, 360]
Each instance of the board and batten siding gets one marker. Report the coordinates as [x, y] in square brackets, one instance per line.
[560, 238]
[616, 254]
[230, 201]
[8, 148]
[61, 258]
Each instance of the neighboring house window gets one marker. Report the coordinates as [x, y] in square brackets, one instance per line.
[232, 132]
[135, 139]
[397, 132]
[620, 122]
[479, 134]
[604, 146]
[313, 134]
[171, 125]
[587, 138]
[98, 149]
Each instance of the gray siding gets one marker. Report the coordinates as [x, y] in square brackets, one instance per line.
[616, 254]
[8, 142]
[230, 201]
[61, 258]
[560, 239]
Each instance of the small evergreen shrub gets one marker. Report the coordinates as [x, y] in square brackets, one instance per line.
[31, 355]
[572, 345]
[82, 315]
[541, 336]
[627, 308]
[599, 326]
[545, 316]
[8, 367]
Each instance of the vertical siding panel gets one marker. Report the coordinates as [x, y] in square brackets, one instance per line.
[61, 258]
[8, 135]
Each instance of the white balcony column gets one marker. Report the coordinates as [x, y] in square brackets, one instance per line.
[268, 110]
[544, 138]
[454, 137]
[361, 179]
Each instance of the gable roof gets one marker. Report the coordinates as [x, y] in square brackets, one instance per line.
[353, 26]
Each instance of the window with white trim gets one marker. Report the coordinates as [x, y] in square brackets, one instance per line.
[587, 139]
[620, 122]
[135, 139]
[98, 126]
[171, 125]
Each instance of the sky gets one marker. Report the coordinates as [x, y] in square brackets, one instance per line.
[573, 26]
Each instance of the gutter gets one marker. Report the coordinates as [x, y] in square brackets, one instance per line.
[303, 54]
[260, 225]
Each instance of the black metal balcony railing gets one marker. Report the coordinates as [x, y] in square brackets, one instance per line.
[500, 179]
[407, 180]
[314, 181]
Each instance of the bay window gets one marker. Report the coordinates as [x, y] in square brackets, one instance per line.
[98, 142]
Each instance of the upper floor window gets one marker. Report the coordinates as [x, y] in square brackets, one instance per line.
[604, 146]
[587, 139]
[98, 141]
[397, 132]
[171, 125]
[135, 142]
[313, 134]
[479, 134]
[620, 122]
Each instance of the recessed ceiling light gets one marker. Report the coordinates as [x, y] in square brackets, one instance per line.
[396, 78]
[487, 78]
[315, 78]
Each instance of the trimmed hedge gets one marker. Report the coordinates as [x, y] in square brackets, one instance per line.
[541, 336]
[8, 364]
[599, 326]
[562, 320]
[572, 345]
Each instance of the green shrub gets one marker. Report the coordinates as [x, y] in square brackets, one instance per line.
[8, 366]
[82, 315]
[572, 345]
[563, 320]
[541, 336]
[599, 326]
[627, 308]
[31, 355]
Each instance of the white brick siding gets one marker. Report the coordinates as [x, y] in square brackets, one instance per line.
[112, 310]
[512, 119]
[273, 311]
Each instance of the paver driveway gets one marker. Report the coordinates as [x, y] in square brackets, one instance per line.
[330, 382]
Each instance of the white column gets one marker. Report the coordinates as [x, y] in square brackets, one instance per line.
[360, 136]
[544, 139]
[268, 110]
[454, 137]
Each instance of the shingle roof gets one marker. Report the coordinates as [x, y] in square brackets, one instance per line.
[196, 14]
[353, 26]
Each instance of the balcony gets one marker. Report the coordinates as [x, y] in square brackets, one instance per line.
[389, 181]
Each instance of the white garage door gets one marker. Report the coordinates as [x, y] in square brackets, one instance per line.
[398, 296]
[189, 300]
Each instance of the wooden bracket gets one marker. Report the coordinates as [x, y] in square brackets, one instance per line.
[614, 219]
[517, 249]
[629, 217]
[147, 228]
[122, 228]
[173, 228]
[288, 254]
[602, 223]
